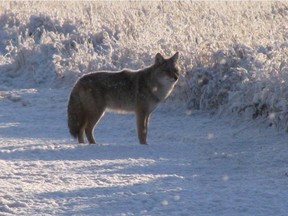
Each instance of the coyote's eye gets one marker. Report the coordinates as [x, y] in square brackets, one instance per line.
[172, 75]
[176, 74]
[176, 70]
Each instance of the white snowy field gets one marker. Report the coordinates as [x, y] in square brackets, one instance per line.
[193, 165]
[234, 64]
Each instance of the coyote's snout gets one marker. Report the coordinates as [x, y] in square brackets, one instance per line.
[124, 91]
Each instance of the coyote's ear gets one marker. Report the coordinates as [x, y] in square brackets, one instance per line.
[159, 59]
[175, 57]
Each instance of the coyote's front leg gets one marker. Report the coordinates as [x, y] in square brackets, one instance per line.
[142, 118]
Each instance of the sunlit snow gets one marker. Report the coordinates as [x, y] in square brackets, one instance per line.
[217, 145]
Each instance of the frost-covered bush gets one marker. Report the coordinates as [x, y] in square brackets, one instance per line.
[249, 82]
[215, 75]
[233, 54]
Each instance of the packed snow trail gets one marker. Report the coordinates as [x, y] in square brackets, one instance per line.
[194, 164]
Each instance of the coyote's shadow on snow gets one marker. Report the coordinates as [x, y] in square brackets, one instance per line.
[76, 152]
[71, 152]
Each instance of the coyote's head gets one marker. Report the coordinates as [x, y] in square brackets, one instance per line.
[167, 71]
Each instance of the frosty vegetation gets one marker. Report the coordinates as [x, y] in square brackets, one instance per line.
[233, 54]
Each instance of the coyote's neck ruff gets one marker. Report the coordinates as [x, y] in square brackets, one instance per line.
[124, 91]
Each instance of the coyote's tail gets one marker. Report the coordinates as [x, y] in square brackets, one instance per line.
[75, 113]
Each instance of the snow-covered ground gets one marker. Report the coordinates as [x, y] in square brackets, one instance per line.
[194, 165]
[234, 162]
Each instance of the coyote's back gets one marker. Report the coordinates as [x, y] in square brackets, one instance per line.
[125, 91]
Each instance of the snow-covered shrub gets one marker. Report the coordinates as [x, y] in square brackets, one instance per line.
[214, 75]
[242, 80]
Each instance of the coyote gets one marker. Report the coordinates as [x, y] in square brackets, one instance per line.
[124, 91]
